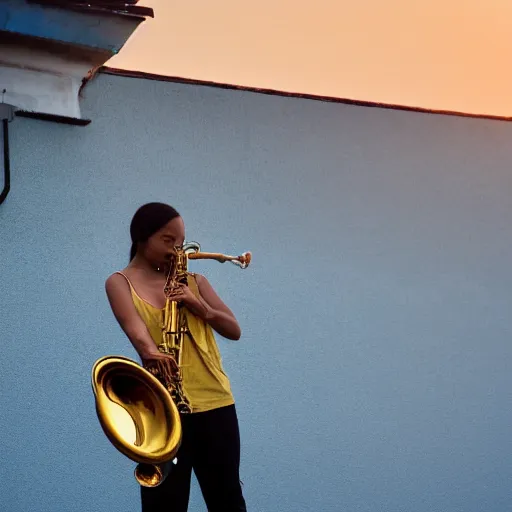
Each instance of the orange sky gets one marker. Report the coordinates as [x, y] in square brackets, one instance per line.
[440, 54]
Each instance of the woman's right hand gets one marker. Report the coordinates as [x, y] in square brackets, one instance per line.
[161, 362]
[154, 357]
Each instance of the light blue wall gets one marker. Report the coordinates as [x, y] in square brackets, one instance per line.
[374, 370]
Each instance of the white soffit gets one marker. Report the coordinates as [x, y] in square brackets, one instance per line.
[40, 81]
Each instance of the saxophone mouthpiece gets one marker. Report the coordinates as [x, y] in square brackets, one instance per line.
[245, 259]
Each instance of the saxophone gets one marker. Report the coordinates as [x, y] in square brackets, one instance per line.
[174, 330]
[139, 407]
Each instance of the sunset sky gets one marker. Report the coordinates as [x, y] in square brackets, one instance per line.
[441, 54]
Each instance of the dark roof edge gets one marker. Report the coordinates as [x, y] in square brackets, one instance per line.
[74, 121]
[162, 78]
[125, 10]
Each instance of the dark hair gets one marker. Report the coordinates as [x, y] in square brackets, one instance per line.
[148, 219]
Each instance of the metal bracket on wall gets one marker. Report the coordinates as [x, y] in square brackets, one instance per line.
[6, 116]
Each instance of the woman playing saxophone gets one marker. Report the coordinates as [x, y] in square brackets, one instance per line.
[211, 442]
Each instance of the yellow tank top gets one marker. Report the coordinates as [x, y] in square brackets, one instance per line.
[204, 381]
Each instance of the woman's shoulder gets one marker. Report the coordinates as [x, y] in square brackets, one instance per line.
[118, 277]
[199, 278]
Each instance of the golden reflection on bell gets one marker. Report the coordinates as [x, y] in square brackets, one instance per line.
[124, 423]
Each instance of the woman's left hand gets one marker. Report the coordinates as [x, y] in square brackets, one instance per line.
[184, 295]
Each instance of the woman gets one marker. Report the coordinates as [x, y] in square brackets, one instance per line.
[211, 441]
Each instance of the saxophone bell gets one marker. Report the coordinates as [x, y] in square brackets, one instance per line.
[138, 416]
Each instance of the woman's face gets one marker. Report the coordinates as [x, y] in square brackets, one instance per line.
[162, 243]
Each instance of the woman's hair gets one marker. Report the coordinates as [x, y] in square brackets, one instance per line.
[148, 219]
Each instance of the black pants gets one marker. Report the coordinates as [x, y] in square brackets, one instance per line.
[211, 447]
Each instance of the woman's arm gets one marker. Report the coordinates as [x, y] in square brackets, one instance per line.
[215, 312]
[119, 296]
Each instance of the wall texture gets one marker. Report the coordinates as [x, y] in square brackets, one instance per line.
[373, 374]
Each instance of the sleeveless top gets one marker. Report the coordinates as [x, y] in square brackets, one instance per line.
[204, 381]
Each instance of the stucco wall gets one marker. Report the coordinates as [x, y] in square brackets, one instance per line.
[374, 369]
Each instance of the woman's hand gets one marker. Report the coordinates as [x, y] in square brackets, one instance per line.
[209, 307]
[185, 295]
[162, 365]
[152, 358]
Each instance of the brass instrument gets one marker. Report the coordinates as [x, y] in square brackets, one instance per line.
[139, 407]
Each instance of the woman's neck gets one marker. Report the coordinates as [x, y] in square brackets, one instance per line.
[142, 263]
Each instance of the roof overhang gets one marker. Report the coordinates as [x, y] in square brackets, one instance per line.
[47, 53]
